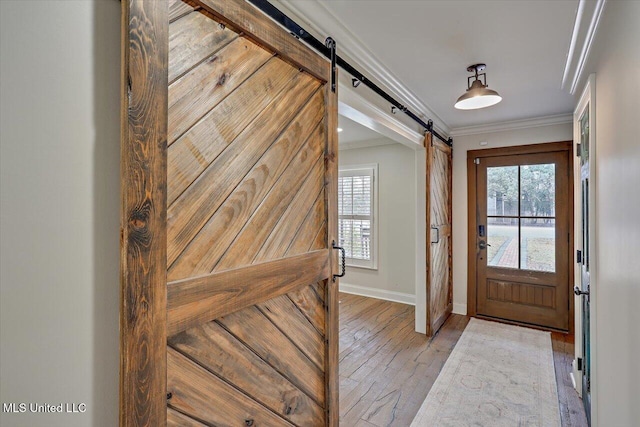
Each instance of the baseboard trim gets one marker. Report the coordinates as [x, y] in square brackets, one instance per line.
[460, 308]
[382, 294]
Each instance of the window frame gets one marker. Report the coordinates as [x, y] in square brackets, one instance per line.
[357, 170]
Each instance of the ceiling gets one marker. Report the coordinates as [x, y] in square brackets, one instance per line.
[354, 132]
[427, 45]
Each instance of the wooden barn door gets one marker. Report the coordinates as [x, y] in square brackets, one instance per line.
[251, 192]
[439, 271]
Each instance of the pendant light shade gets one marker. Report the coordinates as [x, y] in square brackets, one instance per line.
[478, 95]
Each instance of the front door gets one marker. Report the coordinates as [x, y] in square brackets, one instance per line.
[583, 259]
[522, 235]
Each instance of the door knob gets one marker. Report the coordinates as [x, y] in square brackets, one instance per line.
[578, 291]
[483, 245]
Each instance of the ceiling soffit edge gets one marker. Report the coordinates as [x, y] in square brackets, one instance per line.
[350, 46]
[584, 30]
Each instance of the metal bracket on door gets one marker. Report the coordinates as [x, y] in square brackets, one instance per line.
[331, 44]
[343, 261]
[433, 227]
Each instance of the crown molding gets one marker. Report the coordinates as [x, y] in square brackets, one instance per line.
[312, 13]
[513, 125]
[584, 30]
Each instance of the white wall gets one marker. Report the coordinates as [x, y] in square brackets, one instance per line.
[462, 144]
[615, 58]
[59, 227]
[395, 276]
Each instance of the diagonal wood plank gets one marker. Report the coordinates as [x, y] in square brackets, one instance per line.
[287, 160]
[198, 393]
[192, 153]
[192, 96]
[285, 315]
[257, 230]
[276, 349]
[195, 206]
[320, 241]
[311, 305]
[308, 230]
[218, 351]
[192, 39]
[287, 227]
[177, 419]
[194, 301]
[246, 19]
[178, 9]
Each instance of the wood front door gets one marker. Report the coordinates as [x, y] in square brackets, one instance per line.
[521, 234]
[233, 319]
[439, 271]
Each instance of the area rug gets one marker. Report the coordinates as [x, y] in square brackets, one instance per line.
[497, 375]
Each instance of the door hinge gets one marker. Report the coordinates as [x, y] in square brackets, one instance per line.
[476, 161]
[579, 363]
[578, 150]
[578, 257]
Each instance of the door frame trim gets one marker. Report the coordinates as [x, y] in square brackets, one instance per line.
[472, 220]
[588, 96]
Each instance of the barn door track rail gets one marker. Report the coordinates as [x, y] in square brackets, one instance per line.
[328, 50]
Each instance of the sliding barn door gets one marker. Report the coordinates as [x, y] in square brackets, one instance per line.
[251, 183]
[439, 271]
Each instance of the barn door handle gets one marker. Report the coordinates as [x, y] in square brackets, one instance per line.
[433, 227]
[343, 260]
[578, 291]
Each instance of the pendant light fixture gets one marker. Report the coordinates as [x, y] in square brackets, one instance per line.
[478, 95]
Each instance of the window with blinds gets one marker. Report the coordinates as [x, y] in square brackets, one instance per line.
[356, 195]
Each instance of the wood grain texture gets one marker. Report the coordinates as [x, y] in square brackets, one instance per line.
[219, 352]
[276, 349]
[311, 225]
[197, 204]
[244, 249]
[311, 305]
[284, 164]
[246, 19]
[201, 299]
[178, 9]
[331, 287]
[177, 419]
[143, 213]
[285, 230]
[192, 39]
[201, 89]
[201, 395]
[192, 153]
[287, 317]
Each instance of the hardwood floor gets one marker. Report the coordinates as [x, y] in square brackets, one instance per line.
[387, 369]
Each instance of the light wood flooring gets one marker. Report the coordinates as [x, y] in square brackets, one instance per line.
[387, 369]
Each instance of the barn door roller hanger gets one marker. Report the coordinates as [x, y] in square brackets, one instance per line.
[328, 50]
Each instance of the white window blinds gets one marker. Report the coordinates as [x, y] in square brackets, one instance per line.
[356, 215]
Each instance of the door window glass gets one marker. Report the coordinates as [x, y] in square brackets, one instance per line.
[521, 209]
